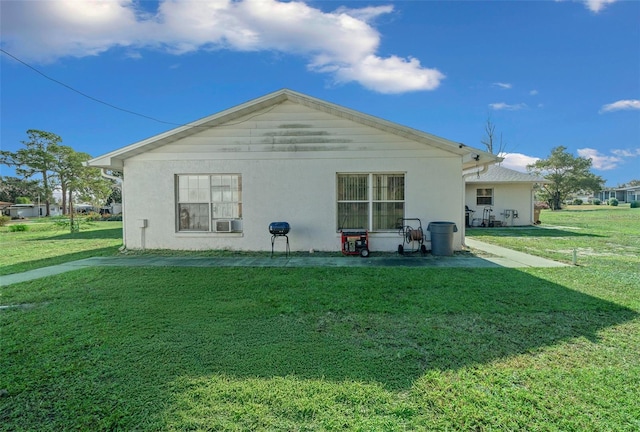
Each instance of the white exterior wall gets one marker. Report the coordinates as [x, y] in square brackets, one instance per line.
[288, 158]
[33, 211]
[513, 196]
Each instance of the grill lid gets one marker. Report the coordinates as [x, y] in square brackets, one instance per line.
[281, 228]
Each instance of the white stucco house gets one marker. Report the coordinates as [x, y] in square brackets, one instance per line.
[21, 211]
[501, 196]
[218, 182]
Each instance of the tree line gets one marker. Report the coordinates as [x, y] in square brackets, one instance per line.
[45, 165]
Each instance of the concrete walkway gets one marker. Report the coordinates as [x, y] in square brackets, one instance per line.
[484, 256]
[510, 258]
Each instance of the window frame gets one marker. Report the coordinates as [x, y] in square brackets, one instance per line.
[376, 197]
[482, 197]
[194, 194]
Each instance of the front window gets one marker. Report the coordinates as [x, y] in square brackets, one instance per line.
[370, 201]
[205, 200]
[484, 197]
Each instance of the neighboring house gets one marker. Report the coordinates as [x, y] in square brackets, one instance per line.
[623, 195]
[21, 211]
[4, 208]
[501, 196]
[584, 196]
[218, 183]
[113, 209]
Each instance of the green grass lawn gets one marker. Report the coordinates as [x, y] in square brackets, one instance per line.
[46, 244]
[375, 349]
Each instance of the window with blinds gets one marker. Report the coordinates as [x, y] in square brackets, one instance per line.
[370, 201]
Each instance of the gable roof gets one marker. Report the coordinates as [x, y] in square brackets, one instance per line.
[500, 174]
[115, 160]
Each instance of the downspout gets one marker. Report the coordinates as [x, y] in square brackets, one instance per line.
[119, 183]
[483, 169]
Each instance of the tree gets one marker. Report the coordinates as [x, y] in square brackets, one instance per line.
[59, 165]
[78, 180]
[632, 183]
[13, 187]
[116, 188]
[37, 158]
[566, 174]
[68, 170]
[490, 142]
[92, 187]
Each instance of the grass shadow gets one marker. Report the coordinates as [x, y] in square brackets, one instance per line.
[361, 325]
[145, 335]
[64, 234]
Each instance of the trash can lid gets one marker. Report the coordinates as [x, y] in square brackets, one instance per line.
[442, 225]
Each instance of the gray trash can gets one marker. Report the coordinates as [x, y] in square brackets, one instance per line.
[442, 237]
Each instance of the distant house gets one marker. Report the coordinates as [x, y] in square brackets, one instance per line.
[4, 208]
[501, 196]
[22, 211]
[623, 195]
[219, 182]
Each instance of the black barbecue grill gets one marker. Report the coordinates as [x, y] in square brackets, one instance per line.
[279, 229]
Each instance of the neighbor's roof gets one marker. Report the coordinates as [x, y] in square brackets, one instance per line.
[115, 160]
[621, 189]
[500, 174]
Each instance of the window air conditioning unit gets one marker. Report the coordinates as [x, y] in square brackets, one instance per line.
[223, 226]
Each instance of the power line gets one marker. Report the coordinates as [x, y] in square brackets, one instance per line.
[86, 95]
[117, 107]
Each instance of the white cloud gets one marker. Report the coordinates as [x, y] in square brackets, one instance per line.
[594, 6]
[533, 92]
[505, 86]
[598, 160]
[390, 75]
[628, 104]
[342, 43]
[517, 161]
[626, 153]
[507, 107]
[597, 5]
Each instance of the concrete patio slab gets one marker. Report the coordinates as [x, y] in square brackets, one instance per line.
[498, 257]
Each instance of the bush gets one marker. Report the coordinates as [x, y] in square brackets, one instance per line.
[577, 201]
[635, 204]
[63, 222]
[18, 227]
[596, 202]
[613, 202]
[93, 217]
[4, 220]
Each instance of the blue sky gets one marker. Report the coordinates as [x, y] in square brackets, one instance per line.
[547, 73]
